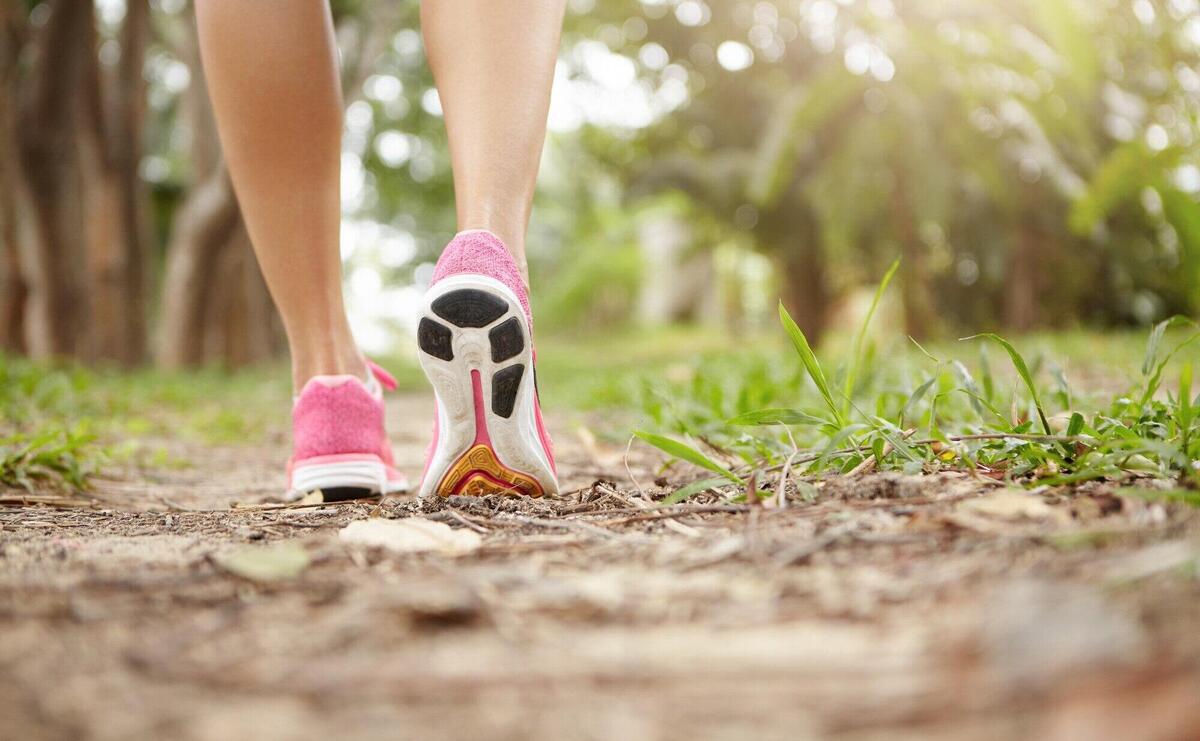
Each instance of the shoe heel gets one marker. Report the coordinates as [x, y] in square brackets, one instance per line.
[339, 480]
[475, 348]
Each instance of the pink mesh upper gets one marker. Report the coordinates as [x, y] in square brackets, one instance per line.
[337, 415]
[483, 253]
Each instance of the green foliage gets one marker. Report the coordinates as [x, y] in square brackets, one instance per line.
[995, 141]
[860, 339]
[811, 364]
[1137, 432]
[44, 439]
[60, 423]
[692, 489]
[1151, 366]
[777, 417]
[1023, 371]
[53, 456]
[686, 452]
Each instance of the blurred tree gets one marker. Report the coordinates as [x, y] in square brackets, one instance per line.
[206, 226]
[47, 180]
[1033, 163]
[77, 219]
[962, 137]
[113, 110]
[12, 286]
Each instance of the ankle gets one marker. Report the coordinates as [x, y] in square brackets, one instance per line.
[327, 360]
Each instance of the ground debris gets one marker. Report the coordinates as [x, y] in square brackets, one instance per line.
[278, 561]
[1011, 506]
[942, 606]
[1035, 631]
[894, 485]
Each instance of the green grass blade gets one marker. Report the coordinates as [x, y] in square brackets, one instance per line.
[911, 405]
[971, 388]
[983, 404]
[924, 352]
[856, 359]
[776, 417]
[690, 490]
[1064, 388]
[1075, 426]
[1185, 412]
[685, 452]
[1155, 340]
[1156, 379]
[835, 442]
[895, 436]
[985, 375]
[1022, 370]
[811, 364]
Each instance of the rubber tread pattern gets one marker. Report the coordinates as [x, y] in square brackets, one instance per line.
[506, 340]
[434, 339]
[470, 307]
[505, 383]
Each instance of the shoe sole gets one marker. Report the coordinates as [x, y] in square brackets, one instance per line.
[342, 477]
[474, 348]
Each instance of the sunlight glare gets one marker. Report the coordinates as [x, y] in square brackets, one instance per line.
[734, 56]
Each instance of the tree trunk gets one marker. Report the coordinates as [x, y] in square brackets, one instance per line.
[1020, 295]
[263, 334]
[215, 305]
[203, 227]
[52, 264]
[239, 329]
[12, 287]
[111, 124]
[916, 288]
[804, 292]
[796, 230]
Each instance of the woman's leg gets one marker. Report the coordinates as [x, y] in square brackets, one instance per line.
[493, 61]
[273, 78]
[272, 74]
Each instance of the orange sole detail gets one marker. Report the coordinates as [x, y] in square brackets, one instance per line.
[478, 472]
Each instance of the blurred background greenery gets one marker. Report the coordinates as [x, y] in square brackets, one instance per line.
[1032, 162]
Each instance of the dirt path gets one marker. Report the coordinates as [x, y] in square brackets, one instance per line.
[885, 607]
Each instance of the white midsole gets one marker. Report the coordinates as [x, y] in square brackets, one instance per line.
[515, 439]
[370, 475]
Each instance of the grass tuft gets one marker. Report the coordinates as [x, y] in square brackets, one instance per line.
[762, 412]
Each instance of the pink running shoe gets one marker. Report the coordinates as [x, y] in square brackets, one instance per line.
[339, 443]
[475, 337]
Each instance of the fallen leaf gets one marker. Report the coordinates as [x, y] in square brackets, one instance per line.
[411, 535]
[266, 563]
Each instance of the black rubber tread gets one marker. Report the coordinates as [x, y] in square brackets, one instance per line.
[506, 339]
[346, 493]
[470, 307]
[505, 384]
[434, 339]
